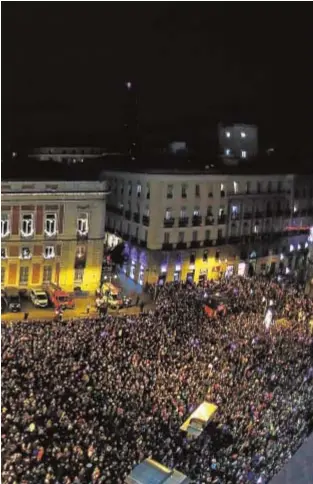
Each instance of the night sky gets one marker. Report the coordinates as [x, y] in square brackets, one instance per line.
[64, 65]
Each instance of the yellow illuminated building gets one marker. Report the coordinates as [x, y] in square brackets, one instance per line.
[52, 232]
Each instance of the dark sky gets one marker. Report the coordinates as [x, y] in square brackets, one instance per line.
[64, 63]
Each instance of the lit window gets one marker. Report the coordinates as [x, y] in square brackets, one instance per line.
[291, 248]
[47, 274]
[243, 154]
[51, 224]
[222, 187]
[227, 152]
[234, 209]
[82, 224]
[168, 213]
[235, 187]
[5, 225]
[27, 228]
[183, 212]
[80, 251]
[78, 275]
[138, 189]
[169, 191]
[49, 252]
[295, 209]
[256, 229]
[24, 273]
[166, 238]
[243, 134]
[3, 253]
[196, 212]
[227, 134]
[25, 253]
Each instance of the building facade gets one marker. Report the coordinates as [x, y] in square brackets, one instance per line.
[198, 226]
[52, 232]
[67, 154]
[239, 141]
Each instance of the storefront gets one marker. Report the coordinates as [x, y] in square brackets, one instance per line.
[241, 269]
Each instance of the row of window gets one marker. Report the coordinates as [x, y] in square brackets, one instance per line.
[24, 275]
[243, 153]
[46, 275]
[48, 252]
[237, 187]
[25, 252]
[27, 226]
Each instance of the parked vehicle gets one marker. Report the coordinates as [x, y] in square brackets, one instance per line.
[13, 299]
[59, 299]
[39, 298]
[112, 296]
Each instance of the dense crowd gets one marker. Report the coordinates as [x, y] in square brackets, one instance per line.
[84, 401]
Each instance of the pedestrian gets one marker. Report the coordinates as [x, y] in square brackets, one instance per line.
[137, 300]
[88, 309]
[142, 305]
[26, 314]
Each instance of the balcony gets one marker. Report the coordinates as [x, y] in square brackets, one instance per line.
[221, 241]
[235, 216]
[221, 219]
[167, 246]
[279, 213]
[146, 220]
[269, 213]
[183, 222]
[168, 222]
[136, 217]
[134, 240]
[126, 237]
[195, 244]
[196, 221]
[181, 245]
[247, 216]
[128, 214]
[143, 243]
[258, 215]
[209, 220]
[169, 195]
[207, 243]
[184, 195]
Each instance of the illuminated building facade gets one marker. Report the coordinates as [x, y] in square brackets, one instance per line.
[179, 226]
[52, 232]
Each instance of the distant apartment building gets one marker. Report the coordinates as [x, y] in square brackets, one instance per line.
[52, 231]
[66, 154]
[238, 141]
[196, 226]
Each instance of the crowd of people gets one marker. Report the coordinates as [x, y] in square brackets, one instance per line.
[85, 400]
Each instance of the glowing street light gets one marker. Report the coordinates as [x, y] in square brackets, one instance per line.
[128, 85]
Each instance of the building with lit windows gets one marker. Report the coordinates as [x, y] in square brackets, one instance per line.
[52, 232]
[238, 141]
[197, 226]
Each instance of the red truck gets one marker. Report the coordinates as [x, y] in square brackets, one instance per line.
[59, 298]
